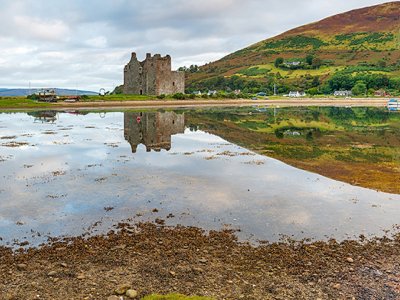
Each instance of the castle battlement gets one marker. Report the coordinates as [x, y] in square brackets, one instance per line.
[152, 76]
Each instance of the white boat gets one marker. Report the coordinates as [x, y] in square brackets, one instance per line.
[393, 105]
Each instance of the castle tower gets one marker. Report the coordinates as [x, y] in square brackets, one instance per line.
[153, 76]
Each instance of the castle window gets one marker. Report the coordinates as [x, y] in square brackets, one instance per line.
[140, 70]
[173, 83]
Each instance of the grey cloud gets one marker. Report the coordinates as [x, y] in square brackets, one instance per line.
[70, 41]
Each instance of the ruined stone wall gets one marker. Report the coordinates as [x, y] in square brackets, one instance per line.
[134, 81]
[178, 82]
[153, 76]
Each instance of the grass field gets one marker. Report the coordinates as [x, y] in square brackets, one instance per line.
[21, 102]
[119, 97]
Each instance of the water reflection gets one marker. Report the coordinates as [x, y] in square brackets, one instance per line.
[355, 145]
[152, 129]
[59, 181]
[46, 116]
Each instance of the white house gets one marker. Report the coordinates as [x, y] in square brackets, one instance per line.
[296, 94]
[292, 63]
[342, 93]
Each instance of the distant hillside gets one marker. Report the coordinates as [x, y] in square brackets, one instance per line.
[25, 92]
[357, 44]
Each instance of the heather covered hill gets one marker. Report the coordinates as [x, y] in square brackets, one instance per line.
[362, 44]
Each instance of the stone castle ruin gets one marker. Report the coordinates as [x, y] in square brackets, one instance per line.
[153, 76]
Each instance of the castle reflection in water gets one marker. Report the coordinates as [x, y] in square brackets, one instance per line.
[152, 129]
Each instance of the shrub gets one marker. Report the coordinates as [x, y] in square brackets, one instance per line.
[162, 96]
[33, 97]
[179, 96]
[359, 88]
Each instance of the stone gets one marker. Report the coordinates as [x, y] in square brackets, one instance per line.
[10, 297]
[120, 247]
[64, 265]
[349, 260]
[172, 273]
[337, 286]
[21, 267]
[81, 276]
[132, 294]
[114, 298]
[121, 289]
[203, 260]
[198, 270]
[52, 273]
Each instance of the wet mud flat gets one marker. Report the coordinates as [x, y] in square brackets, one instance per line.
[158, 259]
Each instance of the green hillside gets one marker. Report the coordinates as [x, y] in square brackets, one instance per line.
[357, 50]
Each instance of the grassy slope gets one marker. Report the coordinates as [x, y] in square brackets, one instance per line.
[364, 35]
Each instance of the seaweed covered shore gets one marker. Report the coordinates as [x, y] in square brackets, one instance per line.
[150, 258]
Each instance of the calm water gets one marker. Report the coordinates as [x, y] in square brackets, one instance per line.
[62, 174]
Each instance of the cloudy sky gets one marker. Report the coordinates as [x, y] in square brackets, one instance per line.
[85, 44]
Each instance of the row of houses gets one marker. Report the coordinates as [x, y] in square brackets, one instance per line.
[378, 93]
[209, 93]
[298, 94]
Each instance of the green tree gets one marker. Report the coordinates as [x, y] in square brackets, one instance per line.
[313, 91]
[315, 82]
[359, 88]
[278, 61]
[309, 59]
[118, 90]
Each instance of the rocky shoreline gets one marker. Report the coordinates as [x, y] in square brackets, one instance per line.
[148, 258]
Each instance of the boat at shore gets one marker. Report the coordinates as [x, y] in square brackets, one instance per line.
[393, 105]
